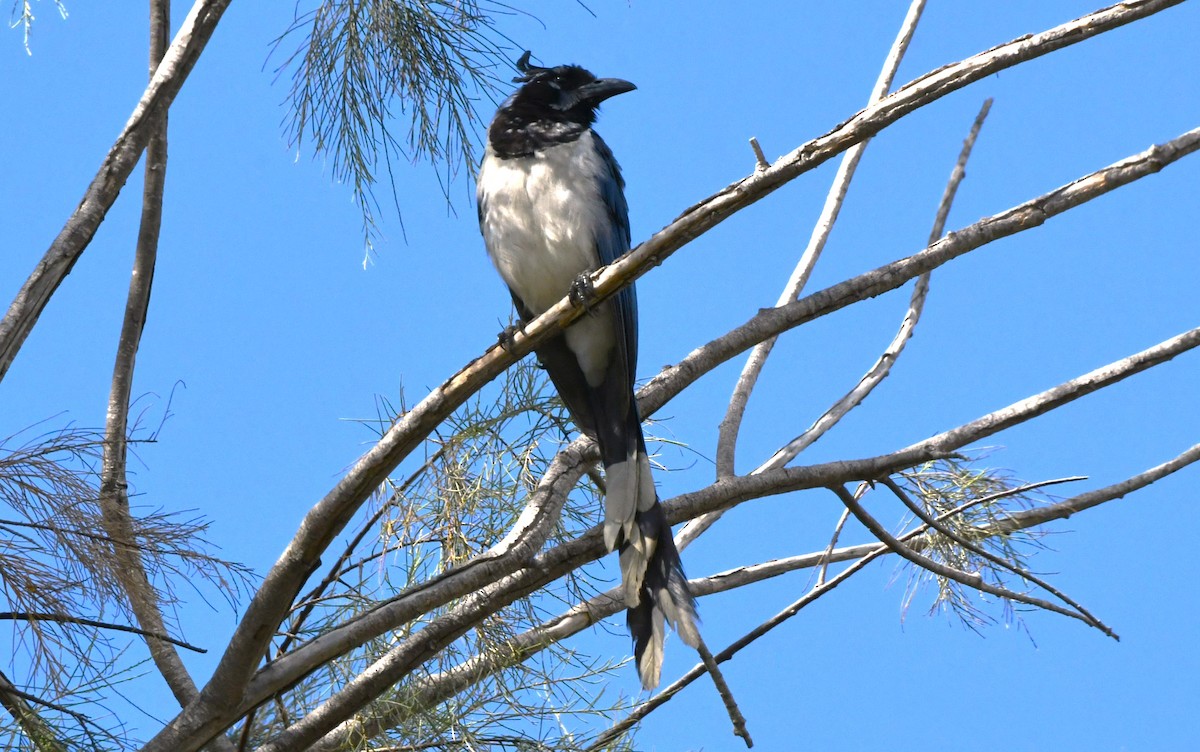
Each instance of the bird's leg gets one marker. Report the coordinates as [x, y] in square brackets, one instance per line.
[582, 292]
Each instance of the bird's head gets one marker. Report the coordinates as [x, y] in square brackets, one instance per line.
[564, 92]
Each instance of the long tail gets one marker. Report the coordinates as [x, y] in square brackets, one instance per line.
[655, 589]
[654, 585]
[663, 598]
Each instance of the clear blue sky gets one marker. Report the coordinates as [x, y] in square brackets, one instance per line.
[262, 309]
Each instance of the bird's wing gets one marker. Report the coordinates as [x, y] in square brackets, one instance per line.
[612, 241]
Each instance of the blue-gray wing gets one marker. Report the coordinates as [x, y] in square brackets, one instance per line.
[612, 241]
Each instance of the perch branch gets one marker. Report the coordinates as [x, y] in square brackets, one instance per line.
[227, 689]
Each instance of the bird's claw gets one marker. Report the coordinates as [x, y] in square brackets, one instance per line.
[582, 292]
[507, 337]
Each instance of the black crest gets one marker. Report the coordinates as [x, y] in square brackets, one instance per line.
[552, 106]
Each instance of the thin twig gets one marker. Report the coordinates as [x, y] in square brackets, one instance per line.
[972, 580]
[735, 714]
[837, 533]
[70, 619]
[1024, 574]
[861, 556]
[760, 160]
[958, 173]
[643, 710]
[731, 424]
[247, 728]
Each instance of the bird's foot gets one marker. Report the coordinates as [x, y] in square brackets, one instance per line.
[507, 337]
[583, 292]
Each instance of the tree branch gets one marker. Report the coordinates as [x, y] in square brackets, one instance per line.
[114, 499]
[227, 689]
[35, 728]
[670, 381]
[882, 367]
[979, 551]
[77, 233]
[971, 580]
[482, 592]
[862, 555]
[332, 513]
[525, 577]
[437, 688]
[1064, 509]
[731, 424]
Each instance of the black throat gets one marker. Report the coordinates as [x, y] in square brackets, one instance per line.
[520, 130]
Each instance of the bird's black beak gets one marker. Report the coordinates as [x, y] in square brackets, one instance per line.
[602, 88]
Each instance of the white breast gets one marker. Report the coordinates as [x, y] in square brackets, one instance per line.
[541, 211]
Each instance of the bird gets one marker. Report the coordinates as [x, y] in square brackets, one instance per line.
[552, 210]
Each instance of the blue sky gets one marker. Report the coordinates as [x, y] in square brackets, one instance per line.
[270, 335]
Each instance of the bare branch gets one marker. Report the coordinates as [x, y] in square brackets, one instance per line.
[1031, 214]
[735, 714]
[77, 233]
[732, 422]
[114, 498]
[732, 491]
[883, 366]
[333, 512]
[643, 710]
[838, 527]
[1064, 509]
[875, 375]
[1068, 391]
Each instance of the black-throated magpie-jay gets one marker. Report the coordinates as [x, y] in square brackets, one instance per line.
[551, 210]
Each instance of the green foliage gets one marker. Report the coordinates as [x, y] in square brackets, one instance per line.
[983, 496]
[22, 15]
[61, 592]
[362, 64]
[477, 475]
